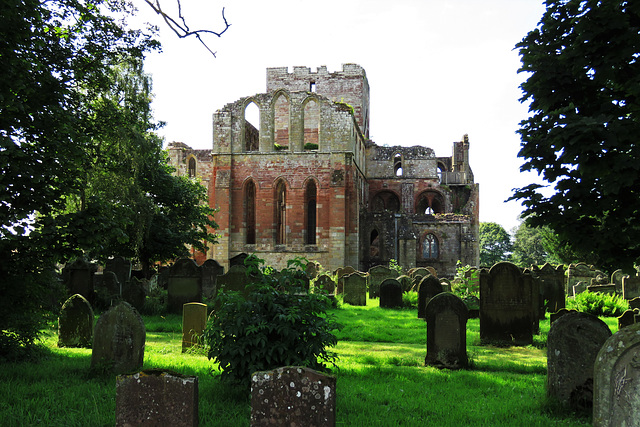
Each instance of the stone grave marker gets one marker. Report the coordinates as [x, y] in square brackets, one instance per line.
[634, 303]
[572, 345]
[390, 294]
[602, 289]
[340, 273]
[551, 287]
[108, 291]
[616, 394]
[630, 287]
[78, 278]
[313, 267]
[293, 396]
[121, 267]
[627, 318]
[134, 292]
[579, 272]
[211, 269]
[325, 284]
[558, 314]
[377, 275]
[75, 323]
[234, 280]
[194, 321]
[185, 284]
[118, 341]
[421, 272]
[432, 271]
[429, 287]
[446, 316]
[616, 279]
[579, 288]
[508, 304]
[238, 260]
[405, 282]
[446, 285]
[157, 398]
[355, 289]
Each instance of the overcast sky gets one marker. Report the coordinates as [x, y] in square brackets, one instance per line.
[437, 69]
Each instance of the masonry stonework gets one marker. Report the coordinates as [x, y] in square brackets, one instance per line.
[307, 181]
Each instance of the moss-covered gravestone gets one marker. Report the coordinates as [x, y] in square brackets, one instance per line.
[377, 275]
[75, 323]
[429, 287]
[355, 289]
[184, 284]
[390, 294]
[446, 316]
[194, 321]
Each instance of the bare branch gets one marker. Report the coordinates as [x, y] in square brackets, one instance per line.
[182, 30]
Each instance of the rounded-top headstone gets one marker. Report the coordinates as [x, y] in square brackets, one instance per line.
[75, 323]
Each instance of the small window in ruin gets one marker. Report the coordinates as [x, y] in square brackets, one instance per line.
[430, 247]
[192, 167]
[397, 164]
[311, 213]
[250, 212]
[281, 213]
[312, 87]
[252, 127]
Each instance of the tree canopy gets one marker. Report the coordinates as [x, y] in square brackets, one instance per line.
[581, 137]
[495, 244]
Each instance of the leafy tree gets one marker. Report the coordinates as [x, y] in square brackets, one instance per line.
[495, 243]
[581, 137]
[528, 246]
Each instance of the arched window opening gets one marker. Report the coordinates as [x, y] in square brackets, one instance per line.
[429, 203]
[281, 211]
[192, 167]
[374, 244]
[385, 200]
[441, 173]
[250, 212]
[252, 127]
[397, 164]
[310, 204]
[311, 121]
[430, 247]
[281, 123]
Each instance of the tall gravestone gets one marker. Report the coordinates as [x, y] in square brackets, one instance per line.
[185, 284]
[616, 279]
[134, 292]
[616, 394]
[446, 316]
[194, 321]
[355, 289]
[234, 280]
[238, 260]
[75, 323]
[627, 318]
[630, 287]
[118, 341]
[572, 345]
[78, 278]
[377, 275]
[157, 398]
[293, 396]
[121, 267]
[390, 294]
[211, 269]
[429, 287]
[340, 274]
[508, 305]
[107, 289]
[551, 287]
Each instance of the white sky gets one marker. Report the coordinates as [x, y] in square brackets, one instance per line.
[437, 69]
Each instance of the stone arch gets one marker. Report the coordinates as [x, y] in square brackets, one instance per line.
[430, 202]
[311, 123]
[251, 125]
[442, 169]
[192, 164]
[281, 108]
[280, 210]
[249, 209]
[385, 200]
[398, 169]
[430, 246]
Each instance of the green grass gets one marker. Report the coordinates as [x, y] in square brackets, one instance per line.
[382, 379]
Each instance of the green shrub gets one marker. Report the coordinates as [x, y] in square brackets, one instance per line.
[310, 146]
[278, 324]
[393, 265]
[465, 286]
[410, 299]
[599, 304]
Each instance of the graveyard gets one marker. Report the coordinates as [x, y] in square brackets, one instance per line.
[381, 378]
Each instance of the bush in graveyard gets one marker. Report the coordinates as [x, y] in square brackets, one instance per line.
[410, 299]
[465, 286]
[599, 304]
[277, 324]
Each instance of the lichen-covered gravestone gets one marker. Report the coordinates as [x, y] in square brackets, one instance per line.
[78, 277]
[293, 396]
[157, 398]
[75, 323]
[572, 345]
[118, 342]
[340, 275]
[355, 289]
[211, 269]
[194, 321]
[630, 287]
[390, 294]
[429, 287]
[446, 316]
[616, 394]
[377, 275]
[185, 284]
[234, 280]
[325, 285]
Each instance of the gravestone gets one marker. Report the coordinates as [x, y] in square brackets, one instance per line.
[75, 323]
[355, 289]
[194, 321]
[551, 287]
[118, 341]
[78, 278]
[340, 273]
[312, 269]
[630, 287]
[211, 269]
[634, 303]
[293, 396]
[432, 271]
[579, 288]
[429, 287]
[377, 275]
[391, 294]
[421, 272]
[325, 284]
[446, 285]
[616, 394]
[572, 345]
[446, 316]
[558, 314]
[108, 291]
[405, 282]
[234, 280]
[134, 292]
[609, 289]
[121, 267]
[579, 272]
[627, 318]
[238, 260]
[616, 279]
[157, 398]
[184, 284]
[508, 305]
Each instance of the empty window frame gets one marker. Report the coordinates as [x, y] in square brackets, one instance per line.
[192, 167]
[430, 247]
[252, 127]
[281, 213]
[250, 212]
[311, 213]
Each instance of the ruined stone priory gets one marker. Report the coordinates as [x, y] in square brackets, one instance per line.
[306, 180]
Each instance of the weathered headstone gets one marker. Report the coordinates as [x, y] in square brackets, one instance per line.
[429, 287]
[405, 282]
[508, 305]
[134, 292]
[634, 303]
[579, 288]
[194, 321]
[325, 284]
[234, 280]
[446, 316]
[355, 289]
[421, 272]
[312, 269]
[293, 396]
[75, 323]
[446, 285]
[609, 289]
[108, 291]
[211, 269]
[78, 277]
[157, 398]
[390, 294]
[630, 287]
[616, 279]
[121, 267]
[118, 341]
[432, 271]
[377, 275]
[616, 388]
[340, 274]
[572, 345]
[579, 272]
[558, 314]
[627, 318]
[185, 284]
[238, 260]
[551, 287]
